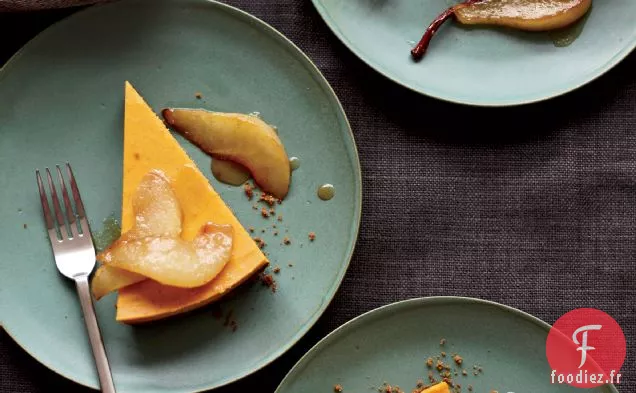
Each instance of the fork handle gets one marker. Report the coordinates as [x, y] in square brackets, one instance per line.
[103, 369]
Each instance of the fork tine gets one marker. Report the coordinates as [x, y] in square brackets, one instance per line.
[70, 214]
[56, 204]
[50, 225]
[78, 202]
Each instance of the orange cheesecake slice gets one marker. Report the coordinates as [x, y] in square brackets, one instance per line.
[441, 387]
[149, 145]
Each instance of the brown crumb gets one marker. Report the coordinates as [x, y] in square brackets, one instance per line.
[286, 241]
[275, 233]
[390, 389]
[440, 365]
[443, 354]
[217, 312]
[228, 318]
[458, 359]
[337, 388]
[24, 226]
[264, 213]
[276, 269]
[312, 236]
[290, 264]
[251, 229]
[429, 362]
[269, 199]
[263, 230]
[431, 378]
[198, 95]
[268, 281]
[272, 211]
[420, 383]
[280, 217]
[442, 341]
[255, 206]
[464, 372]
[249, 190]
[470, 388]
[260, 242]
[274, 226]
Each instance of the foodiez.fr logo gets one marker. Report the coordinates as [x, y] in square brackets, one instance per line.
[586, 348]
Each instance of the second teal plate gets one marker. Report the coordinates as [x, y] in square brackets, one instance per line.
[479, 66]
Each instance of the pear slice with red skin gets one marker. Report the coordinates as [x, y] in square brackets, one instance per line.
[529, 15]
[244, 139]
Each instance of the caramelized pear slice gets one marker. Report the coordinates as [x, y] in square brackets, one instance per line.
[530, 15]
[172, 260]
[237, 137]
[157, 213]
[156, 207]
[108, 279]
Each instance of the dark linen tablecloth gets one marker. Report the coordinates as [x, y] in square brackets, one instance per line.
[533, 207]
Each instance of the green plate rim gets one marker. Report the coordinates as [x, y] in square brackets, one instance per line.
[430, 300]
[342, 119]
[613, 62]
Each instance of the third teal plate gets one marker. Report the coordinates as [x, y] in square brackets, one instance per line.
[503, 346]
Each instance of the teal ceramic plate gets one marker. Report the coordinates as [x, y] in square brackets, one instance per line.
[61, 99]
[391, 344]
[479, 66]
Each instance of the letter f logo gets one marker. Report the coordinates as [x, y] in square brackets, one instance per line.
[583, 344]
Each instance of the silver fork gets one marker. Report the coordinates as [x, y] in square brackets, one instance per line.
[74, 255]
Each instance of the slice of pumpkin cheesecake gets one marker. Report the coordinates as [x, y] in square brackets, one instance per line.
[441, 387]
[149, 146]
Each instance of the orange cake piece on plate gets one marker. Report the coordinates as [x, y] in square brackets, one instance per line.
[149, 145]
[441, 387]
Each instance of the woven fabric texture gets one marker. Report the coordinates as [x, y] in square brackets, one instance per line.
[532, 206]
[33, 5]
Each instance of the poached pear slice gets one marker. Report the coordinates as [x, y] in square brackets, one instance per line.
[157, 213]
[156, 207]
[172, 260]
[244, 139]
[108, 279]
[529, 15]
